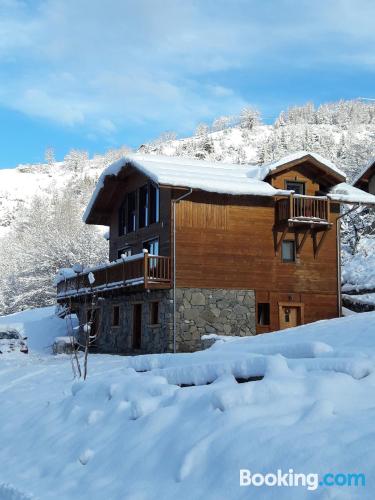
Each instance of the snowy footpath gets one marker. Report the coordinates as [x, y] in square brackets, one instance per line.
[183, 426]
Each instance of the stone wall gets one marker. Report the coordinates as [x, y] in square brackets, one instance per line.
[118, 339]
[199, 312]
[203, 311]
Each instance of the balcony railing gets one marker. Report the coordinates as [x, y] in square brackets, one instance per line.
[142, 270]
[302, 209]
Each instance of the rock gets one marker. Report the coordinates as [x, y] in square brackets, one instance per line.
[191, 314]
[198, 299]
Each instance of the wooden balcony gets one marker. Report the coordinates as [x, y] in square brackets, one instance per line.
[299, 211]
[143, 271]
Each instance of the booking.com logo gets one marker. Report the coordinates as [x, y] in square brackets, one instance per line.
[311, 481]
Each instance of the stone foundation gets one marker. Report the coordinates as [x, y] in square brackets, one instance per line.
[202, 311]
[198, 312]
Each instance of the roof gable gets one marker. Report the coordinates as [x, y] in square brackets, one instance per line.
[325, 166]
[363, 177]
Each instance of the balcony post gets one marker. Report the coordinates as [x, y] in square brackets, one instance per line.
[291, 206]
[145, 268]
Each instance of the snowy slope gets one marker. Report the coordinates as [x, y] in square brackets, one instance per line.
[19, 185]
[40, 326]
[125, 434]
[348, 147]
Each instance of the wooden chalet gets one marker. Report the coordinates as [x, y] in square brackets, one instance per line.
[366, 179]
[198, 248]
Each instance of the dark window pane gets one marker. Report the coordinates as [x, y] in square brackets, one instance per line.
[154, 204]
[122, 219]
[131, 212]
[288, 251]
[297, 187]
[152, 246]
[143, 206]
[263, 313]
[137, 326]
[154, 313]
[116, 316]
[124, 251]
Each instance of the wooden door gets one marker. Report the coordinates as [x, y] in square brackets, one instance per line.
[137, 326]
[290, 315]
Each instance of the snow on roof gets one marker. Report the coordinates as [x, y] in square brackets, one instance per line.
[363, 171]
[349, 194]
[298, 155]
[215, 177]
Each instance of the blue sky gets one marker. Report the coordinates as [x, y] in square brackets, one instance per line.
[92, 75]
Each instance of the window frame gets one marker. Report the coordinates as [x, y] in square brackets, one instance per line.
[267, 313]
[300, 183]
[123, 251]
[136, 339]
[149, 195]
[152, 315]
[153, 218]
[143, 206]
[285, 260]
[156, 238]
[132, 212]
[116, 316]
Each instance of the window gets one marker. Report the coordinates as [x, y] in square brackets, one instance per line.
[140, 208]
[126, 252]
[288, 251]
[143, 206]
[122, 219]
[152, 246]
[137, 326]
[154, 313]
[263, 313]
[297, 187]
[116, 316]
[131, 223]
[154, 204]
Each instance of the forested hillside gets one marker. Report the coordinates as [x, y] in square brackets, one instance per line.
[41, 205]
[343, 132]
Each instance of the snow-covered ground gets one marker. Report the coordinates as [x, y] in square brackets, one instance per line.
[40, 326]
[358, 271]
[127, 433]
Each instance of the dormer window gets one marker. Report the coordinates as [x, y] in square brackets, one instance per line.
[297, 187]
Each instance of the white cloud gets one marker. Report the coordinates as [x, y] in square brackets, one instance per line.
[100, 65]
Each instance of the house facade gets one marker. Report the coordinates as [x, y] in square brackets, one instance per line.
[199, 248]
[366, 179]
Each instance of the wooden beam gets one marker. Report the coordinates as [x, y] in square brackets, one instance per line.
[299, 245]
[318, 245]
[278, 243]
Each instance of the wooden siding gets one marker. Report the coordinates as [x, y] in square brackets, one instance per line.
[241, 255]
[299, 173]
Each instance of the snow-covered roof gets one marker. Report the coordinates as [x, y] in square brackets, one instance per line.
[347, 193]
[363, 171]
[217, 177]
[299, 155]
[228, 178]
